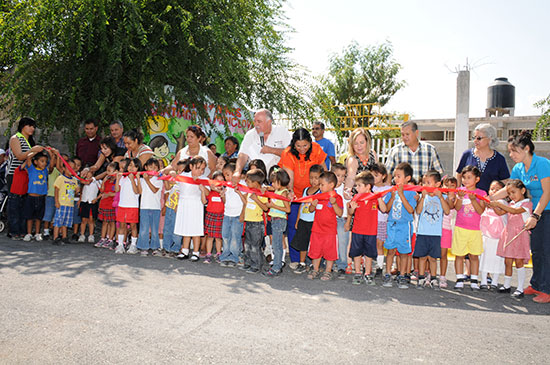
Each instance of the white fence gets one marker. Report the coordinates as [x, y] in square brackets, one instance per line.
[383, 147]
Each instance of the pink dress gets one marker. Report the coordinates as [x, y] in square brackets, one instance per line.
[518, 248]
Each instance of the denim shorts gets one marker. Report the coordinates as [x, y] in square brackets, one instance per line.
[49, 211]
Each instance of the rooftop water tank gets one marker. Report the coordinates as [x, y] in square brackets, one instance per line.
[501, 97]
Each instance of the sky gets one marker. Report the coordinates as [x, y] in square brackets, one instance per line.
[431, 40]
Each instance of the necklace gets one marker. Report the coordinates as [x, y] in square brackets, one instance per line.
[301, 172]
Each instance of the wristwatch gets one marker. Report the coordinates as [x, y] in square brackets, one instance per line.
[536, 216]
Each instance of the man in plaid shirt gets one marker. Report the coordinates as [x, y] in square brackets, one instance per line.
[420, 155]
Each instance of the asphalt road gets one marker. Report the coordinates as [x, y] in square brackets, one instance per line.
[79, 304]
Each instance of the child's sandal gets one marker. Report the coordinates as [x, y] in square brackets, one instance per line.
[313, 275]
[327, 276]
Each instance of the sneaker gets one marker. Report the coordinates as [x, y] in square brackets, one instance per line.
[252, 270]
[244, 267]
[217, 258]
[207, 259]
[144, 252]
[293, 265]
[530, 291]
[300, 268]
[157, 252]
[132, 250]
[81, 238]
[46, 236]
[402, 283]
[65, 241]
[378, 273]
[57, 241]
[369, 280]
[91, 238]
[38, 237]
[341, 274]
[111, 245]
[407, 278]
[119, 248]
[100, 243]
[420, 283]
[182, 256]
[271, 273]
[357, 279]
[195, 258]
[387, 283]
[443, 282]
[74, 237]
[414, 275]
[27, 238]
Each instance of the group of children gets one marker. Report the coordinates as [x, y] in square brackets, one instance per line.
[187, 217]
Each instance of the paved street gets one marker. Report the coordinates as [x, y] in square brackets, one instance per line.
[79, 304]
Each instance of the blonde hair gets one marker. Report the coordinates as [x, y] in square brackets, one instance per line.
[353, 136]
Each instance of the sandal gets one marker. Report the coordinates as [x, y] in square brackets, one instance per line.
[327, 276]
[313, 275]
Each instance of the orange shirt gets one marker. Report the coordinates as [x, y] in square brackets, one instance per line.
[301, 167]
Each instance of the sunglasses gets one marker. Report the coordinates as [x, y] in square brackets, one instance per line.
[478, 138]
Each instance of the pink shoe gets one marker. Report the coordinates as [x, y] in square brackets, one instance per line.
[442, 282]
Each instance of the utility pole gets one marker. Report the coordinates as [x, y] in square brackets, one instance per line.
[462, 124]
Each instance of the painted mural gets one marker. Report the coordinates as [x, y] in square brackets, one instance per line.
[166, 129]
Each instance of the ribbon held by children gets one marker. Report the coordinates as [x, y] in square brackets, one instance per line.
[68, 167]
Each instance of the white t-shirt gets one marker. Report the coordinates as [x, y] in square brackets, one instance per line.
[90, 191]
[233, 202]
[128, 199]
[150, 200]
[340, 191]
[279, 138]
[382, 217]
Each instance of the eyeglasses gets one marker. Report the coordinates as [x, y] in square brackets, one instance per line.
[478, 138]
[316, 128]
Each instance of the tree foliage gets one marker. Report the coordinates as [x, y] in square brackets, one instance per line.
[358, 76]
[67, 60]
[543, 123]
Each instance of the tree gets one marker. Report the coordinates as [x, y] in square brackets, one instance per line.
[358, 76]
[543, 123]
[64, 61]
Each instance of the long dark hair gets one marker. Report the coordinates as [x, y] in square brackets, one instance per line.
[24, 122]
[135, 135]
[300, 134]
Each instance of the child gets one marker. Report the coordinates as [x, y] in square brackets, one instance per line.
[343, 234]
[304, 221]
[431, 208]
[492, 225]
[449, 182]
[37, 168]
[278, 212]
[401, 207]
[128, 205]
[254, 227]
[190, 214]
[66, 187]
[213, 219]
[324, 231]
[380, 184]
[172, 242]
[221, 162]
[106, 212]
[467, 234]
[49, 210]
[232, 226]
[149, 210]
[88, 205]
[512, 248]
[365, 227]
[76, 211]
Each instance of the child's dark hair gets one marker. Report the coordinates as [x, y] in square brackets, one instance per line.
[225, 159]
[37, 156]
[522, 140]
[183, 164]
[500, 183]
[450, 180]
[406, 168]
[379, 168]
[366, 178]
[135, 160]
[474, 170]
[329, 177]
[317, 168]
[76, 158]
[256, 175]
[338, 166]
[216, 174]
[152, 162]
[195, 161]
[259, 164]
[434, 174]
[115, 165]
[518, 184]
[280, 175]
[230, 166]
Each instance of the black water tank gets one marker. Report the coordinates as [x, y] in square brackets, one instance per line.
[501, 94]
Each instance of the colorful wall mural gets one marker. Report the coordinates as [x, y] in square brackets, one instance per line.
[166, 129]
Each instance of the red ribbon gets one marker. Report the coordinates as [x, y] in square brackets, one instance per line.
[415, 188]
[68, 167]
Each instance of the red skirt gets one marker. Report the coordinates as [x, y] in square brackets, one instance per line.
[213, 224]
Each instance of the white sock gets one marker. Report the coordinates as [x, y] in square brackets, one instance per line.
[483, 278]
[284, 254]
[507, 281]
[120, 239]
[161, 243]
[196, 253]
[185, 251]
[495, 279]
[380, 261]
[134, 241]
[521, 278]
[46, 231]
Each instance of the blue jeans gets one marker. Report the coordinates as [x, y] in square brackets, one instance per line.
[171, 241]
[232, 235]
[148, 219]
[540, 249]
[278, 226]
[16, 220]
[291, 231]
[343, 242]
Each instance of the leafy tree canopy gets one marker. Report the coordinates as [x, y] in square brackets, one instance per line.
[543, 123]
[64, 61]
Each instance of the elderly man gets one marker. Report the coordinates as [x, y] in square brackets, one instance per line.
[265, 142]
[87, 148]
[420, 155]
[318, 132]
[117, 130]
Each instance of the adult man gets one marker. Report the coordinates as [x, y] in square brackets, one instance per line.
[265, 142]
[421, 156]
[87, 148]
[117, 130]
[318, 132]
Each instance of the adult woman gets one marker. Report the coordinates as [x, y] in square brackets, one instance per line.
[109, 152]
[193, 136]
[534, 172]
[231, 147]
[361, 157]
[133, 140]
[297, 159]
[491, 163]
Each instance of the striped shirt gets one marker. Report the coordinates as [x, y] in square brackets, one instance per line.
[422, 160]
[13, 162]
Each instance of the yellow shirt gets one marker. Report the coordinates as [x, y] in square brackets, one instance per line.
[253, 212]
[67, 187]
[274, 212]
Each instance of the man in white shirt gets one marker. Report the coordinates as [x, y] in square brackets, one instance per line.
[265, 142]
